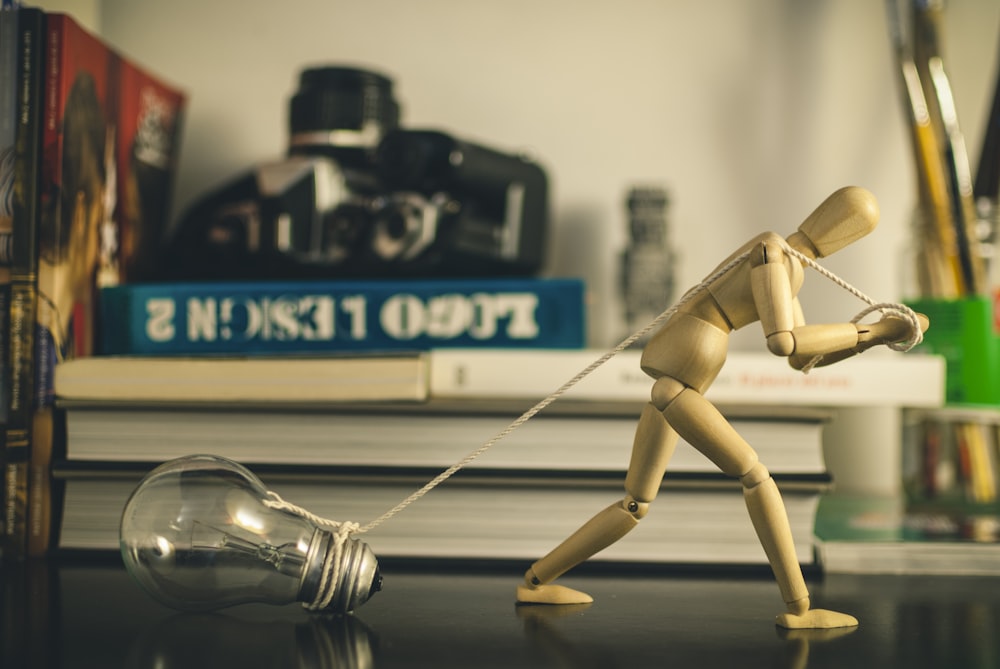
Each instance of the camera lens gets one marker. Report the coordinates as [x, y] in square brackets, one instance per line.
[342, 107]
[405, 225]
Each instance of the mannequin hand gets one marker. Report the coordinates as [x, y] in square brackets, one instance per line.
[890, 329]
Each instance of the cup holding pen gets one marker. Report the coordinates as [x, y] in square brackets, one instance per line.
[964, 327]
[962, 332]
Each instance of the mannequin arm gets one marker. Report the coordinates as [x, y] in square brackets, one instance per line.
[772, 295]
[782, 321]
[844, 340]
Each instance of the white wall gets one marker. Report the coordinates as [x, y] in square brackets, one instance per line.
[750, 112]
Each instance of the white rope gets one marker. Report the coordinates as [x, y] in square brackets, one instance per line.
[345, 529]
[559, 392]
[900, 310]
[330, 576]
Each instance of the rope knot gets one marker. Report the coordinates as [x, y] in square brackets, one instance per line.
[332, 561]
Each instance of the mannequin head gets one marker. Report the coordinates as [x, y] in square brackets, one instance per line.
[846, 216]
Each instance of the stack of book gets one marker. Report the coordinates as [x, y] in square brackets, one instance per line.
[952, 458]
[948, 519]
[865, 534]
[88, 148]
[352, 456]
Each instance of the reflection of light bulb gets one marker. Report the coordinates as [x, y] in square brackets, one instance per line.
[198, 533]
[187, 640]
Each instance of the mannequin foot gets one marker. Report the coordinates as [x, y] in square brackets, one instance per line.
[551, 594]
[816, 619]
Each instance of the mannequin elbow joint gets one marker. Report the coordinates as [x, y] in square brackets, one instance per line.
[781, 343]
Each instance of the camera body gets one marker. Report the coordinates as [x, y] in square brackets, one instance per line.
[358, 196]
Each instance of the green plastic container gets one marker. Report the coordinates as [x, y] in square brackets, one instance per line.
[962, 332]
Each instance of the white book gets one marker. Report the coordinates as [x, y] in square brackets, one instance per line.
[913, 380]
[788, 442]
[284, 379]
[893, 379]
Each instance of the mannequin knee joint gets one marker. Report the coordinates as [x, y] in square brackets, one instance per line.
[636, 508]
[665, 391]
[757, 475]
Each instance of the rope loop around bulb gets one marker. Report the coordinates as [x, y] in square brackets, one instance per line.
[332, 562]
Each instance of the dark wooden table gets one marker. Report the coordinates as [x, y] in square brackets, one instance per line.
[90, 614]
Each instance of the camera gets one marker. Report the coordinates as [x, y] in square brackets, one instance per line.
[359, 196]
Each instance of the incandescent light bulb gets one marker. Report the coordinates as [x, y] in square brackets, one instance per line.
[202, 532]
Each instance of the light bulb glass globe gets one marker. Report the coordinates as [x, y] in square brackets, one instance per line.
[197, 535]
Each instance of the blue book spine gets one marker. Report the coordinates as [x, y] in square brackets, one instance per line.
[316, 317]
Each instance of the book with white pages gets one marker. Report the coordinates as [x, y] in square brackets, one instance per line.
[573, 437]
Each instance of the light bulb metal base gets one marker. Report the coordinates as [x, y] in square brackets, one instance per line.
[353, 576]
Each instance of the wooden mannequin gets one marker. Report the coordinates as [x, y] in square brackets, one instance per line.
[686, 355]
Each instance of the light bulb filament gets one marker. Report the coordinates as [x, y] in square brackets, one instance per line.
[275, 556]
[271, 555]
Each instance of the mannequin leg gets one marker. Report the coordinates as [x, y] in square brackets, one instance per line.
[770, 521]
[706, 428]
[654, 443]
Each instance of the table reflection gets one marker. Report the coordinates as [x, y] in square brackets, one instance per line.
[188, 640]
[542, 627]
[84, 615]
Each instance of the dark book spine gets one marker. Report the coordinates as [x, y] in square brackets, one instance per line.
[8, 109]
[8, 114]
[26, 204]
[52, 191]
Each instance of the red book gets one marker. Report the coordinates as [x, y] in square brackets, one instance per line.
[109, 147]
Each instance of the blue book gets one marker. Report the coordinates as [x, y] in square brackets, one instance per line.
[313, 317]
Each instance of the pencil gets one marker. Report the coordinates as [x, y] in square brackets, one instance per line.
[956, 159]
[927, 17]
[987, 185]
[941, 274]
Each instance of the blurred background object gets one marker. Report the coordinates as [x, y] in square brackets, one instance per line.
[751, 112]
